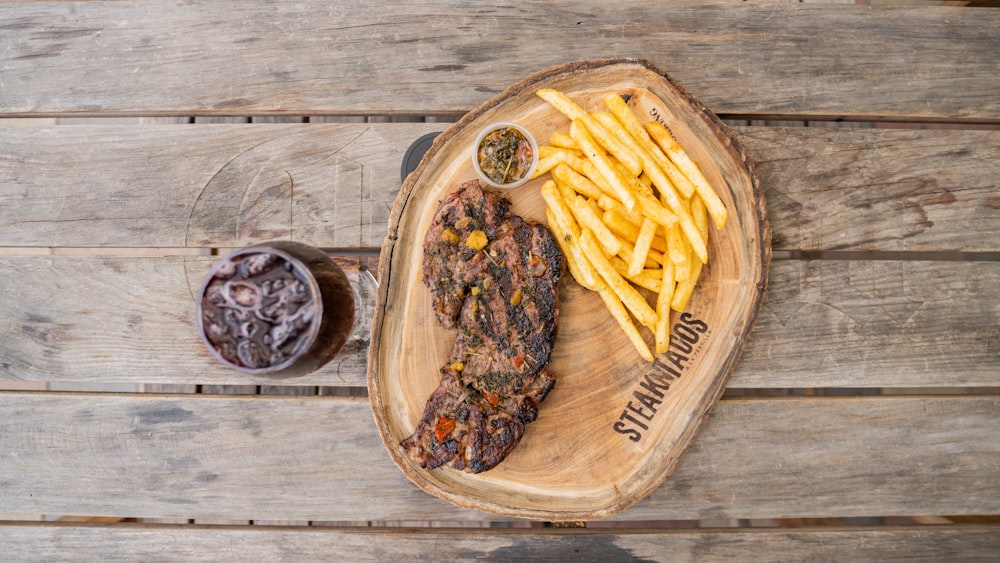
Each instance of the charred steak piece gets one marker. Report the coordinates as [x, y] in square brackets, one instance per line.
[508, 322]
[460, 426]
[496, 378]
[448, 248]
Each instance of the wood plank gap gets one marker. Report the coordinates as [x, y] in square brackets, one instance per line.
[844, 525]
[343, 394]
[156, 251]
[888, 122]
[886, 255]
[738, 393]
[115, 251]
[522, 528]
[367, 251]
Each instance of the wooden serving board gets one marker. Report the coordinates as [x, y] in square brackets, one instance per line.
[614, 426]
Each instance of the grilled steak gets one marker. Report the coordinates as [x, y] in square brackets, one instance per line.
[506, 322]
[459, 425]
[446, 254]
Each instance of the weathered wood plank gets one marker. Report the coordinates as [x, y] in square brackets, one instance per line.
[286, 458]
[879, 189]
[823, 324]
[328, 185]
[422, 58]
[47, 542]
[110, 319]
[829, 323]
[332, 185]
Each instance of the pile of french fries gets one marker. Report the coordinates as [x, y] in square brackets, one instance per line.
[630, 210]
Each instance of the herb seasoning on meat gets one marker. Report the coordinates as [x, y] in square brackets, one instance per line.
[505, 155]
[502, 297]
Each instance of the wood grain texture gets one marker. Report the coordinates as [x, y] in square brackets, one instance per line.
[290, 458]
[550, 479]
[823, 324]
[105, 319]
[48, 542]
[423, 58]
[879, 189]
[208, 185]
[828, 323]
[332, 185]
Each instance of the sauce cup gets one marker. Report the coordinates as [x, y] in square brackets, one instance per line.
[523, 161]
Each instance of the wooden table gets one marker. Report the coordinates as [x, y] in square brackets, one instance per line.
[867, 396]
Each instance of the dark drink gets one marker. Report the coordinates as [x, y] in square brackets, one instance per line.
[278, 308]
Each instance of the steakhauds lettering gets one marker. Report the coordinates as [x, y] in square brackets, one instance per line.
[655, 384]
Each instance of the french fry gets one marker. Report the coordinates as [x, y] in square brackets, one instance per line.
[682, 270]
[586, 217]
[687, 274]
[634, 217]
[643, 193]
[607, 203]
[580, 183]
[631, 181]
[684, 289]
[647, 202]
[676, 213]
[675, 242]
[607, 210]
[623, 223]
[649, 278]
[563, 140]
[567, 193]
[590, 172]
[560, 210]
[545, 165]
[624, 114]
[661, 335]
[550, 157]
[567, 154]
[699, 217]
[655, 211]
[654, 259]
[620, 314]
[597, 208]
[645, 281]
[603, 164]
[672, 201]
[688, 228]
[570, 109]
[676, 153]
[628, 226]
[642, 247]
[649, 154]
[633, 300]
[645, 180]
[628, 120]
[579, 267]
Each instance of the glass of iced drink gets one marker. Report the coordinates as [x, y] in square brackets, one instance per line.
[277, 308]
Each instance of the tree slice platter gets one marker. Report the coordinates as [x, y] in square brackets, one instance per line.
[614, 426]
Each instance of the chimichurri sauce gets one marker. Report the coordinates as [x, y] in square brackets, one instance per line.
[504, 155]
